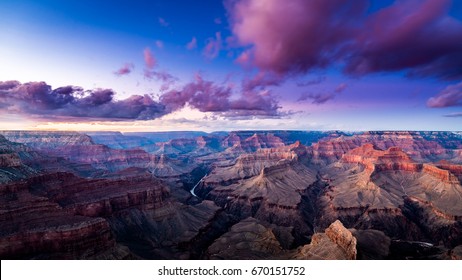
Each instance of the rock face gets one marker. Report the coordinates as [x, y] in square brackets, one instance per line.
[414, 144]
[12, 161]
[35, 227]
[248, 239]
[236, 195]
[48, 139]
[337, 243]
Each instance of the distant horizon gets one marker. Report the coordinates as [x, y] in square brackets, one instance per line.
[226, 131]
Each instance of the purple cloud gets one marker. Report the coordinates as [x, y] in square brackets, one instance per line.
[40, 101]
[207, 96]
[261, 81]
[166, 78]
[321, 98]
[299, 36]
[192, 44]
[316, 81]
[149, 58]
[256, 103]
[317, 98]
[203, 95]
[417, 36]
[9, 85]
[453, 115]
[449, 97]
[213, 46]
[125, 70]
[340, 88]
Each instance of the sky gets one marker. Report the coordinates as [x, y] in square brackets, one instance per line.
[215, 65]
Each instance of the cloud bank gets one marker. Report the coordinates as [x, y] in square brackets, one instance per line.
[418, 37]
[37, 100]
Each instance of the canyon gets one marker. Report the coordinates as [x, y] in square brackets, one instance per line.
[257, 195]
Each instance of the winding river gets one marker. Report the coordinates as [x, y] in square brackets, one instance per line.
[192, 190]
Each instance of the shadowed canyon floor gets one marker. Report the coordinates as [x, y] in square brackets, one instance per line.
[257, 195]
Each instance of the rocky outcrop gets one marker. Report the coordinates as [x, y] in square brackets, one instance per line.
[246, 240]
[337, 243]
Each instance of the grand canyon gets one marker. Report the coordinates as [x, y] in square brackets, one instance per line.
[231, 129]
[231, 195]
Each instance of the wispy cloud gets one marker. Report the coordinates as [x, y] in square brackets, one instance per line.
[163, 22]
[449, 97]
[192, 44]
[316, 81]
[213, 46]
[149, 58]
[321, 98]
[454, 115]
[159, 44]
[126, 69]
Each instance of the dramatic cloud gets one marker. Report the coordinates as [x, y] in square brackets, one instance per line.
[213, 46]
[192, 44]
[39, 100]
[149, 58]
[125, 70]
[207, 96]
[417, 36]
[255, 104]
[293, 37]
[449, 97]
[454, 115]
[321, 98]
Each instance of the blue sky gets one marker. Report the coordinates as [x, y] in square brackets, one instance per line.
[310, 86]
